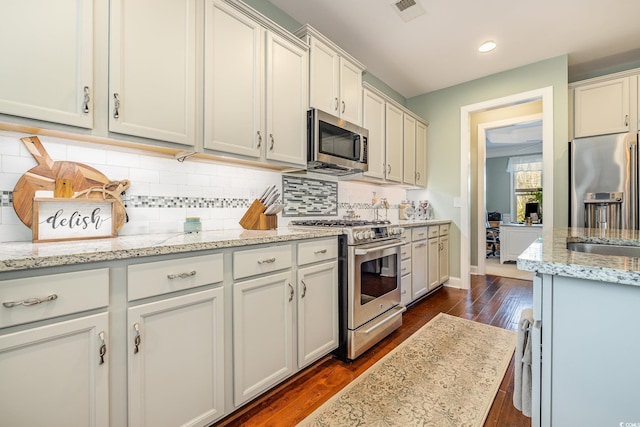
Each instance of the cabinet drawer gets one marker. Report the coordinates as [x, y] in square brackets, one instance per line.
[61, 294]
[434, 231]
[161, 277]
[405, 267]
[444, 229]
[406, 234]
[418, 233]
[317, 250]
[405, 251]
[263, 260]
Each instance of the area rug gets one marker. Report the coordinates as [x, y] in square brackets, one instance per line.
[446, 374]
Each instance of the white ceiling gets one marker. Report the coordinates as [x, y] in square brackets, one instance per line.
[518, 139]
[439, 49]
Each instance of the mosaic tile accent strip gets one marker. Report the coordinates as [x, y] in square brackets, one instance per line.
[6, 199]
[309, 197]
[134, 201]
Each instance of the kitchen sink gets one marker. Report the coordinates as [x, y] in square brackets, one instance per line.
[604, 249]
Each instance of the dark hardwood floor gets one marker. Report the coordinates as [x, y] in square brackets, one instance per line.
[492, 300]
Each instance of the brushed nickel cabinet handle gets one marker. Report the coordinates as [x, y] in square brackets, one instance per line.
[137, 340]
[181, 275]
[336, 104]
[30, 301]
[290, 292]
[344, 106]
[304, 289]
[259, 140]
[626, 120]
[272, 141]
[267, 261]
[116, 106]
[87, 99]
[321, 251]
[103, 348]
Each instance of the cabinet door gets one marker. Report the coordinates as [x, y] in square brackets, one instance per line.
[176, 369]
[152, 74]
[433, 272]
[409, 149]
[421, 154]
[373, 108]
[405, 289]
[46, 71]
[350, 92]
[324, 78]
[53, 375]
[317, 312]
[602, 108]
[263, 348]
[443, 259]
[287, 88]
[393, 143]
[234, 86]
[419, 284]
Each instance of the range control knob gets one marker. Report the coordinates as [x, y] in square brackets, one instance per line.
[368, 234]
[359, 235]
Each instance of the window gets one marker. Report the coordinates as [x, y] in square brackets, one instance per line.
[526, 183]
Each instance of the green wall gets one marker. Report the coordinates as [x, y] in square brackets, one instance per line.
[498, 185]
[442, 109]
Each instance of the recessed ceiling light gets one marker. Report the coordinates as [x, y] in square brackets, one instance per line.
[487, 46]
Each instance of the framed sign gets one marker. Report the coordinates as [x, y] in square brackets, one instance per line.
[72, 219]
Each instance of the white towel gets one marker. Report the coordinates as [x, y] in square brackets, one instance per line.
[522, 375]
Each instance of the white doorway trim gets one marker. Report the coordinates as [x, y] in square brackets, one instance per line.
[546, 94]
[481, 175]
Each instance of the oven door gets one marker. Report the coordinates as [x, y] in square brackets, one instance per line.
[374, 280]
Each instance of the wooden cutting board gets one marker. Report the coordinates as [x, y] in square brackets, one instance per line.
[44, 175]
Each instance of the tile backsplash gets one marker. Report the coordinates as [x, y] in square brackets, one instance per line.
[164, 191]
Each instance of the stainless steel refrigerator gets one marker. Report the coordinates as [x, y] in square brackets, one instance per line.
[601, 165]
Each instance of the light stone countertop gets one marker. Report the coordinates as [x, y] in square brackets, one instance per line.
[421, 222]
[549, 255]
[26, 255]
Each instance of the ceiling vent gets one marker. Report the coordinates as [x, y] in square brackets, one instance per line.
[407, 9]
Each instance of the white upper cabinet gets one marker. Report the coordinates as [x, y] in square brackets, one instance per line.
[393, 143]
[233, 110]
[421, 154]
[335, 77]
[46, 71]
[256, 88]
[409, 149]
[286, 95]
[373, 109]
[602, 108]
[152, 69]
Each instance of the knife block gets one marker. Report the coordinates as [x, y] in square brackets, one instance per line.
[255, 219]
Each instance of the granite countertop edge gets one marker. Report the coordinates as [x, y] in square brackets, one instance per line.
[549, 255]
[27, 255]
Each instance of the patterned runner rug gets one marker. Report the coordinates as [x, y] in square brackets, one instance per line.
[446, 374]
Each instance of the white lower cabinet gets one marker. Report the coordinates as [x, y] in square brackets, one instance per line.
[433, 263]
[176, 360]
[55, 375]
[419, 258]
[262, 334]
[317, 311]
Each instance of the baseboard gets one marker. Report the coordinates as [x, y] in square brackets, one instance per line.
[473, 269]
[453, 282]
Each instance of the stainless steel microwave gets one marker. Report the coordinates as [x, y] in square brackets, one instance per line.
[335, 146]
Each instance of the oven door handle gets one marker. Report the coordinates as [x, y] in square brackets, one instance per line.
[399, 310]
[360, 251]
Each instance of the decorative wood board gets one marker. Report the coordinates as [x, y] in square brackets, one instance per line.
[72, 219]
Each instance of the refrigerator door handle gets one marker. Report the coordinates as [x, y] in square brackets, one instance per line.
[633, 182]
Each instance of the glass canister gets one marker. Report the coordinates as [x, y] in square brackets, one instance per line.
[424, 210]
[192, 225]
[405, 209]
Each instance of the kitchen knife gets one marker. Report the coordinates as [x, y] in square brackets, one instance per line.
[272, 198]
[264, 193]
[268, 195]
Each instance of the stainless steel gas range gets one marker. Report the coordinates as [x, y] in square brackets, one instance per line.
[370, 306]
